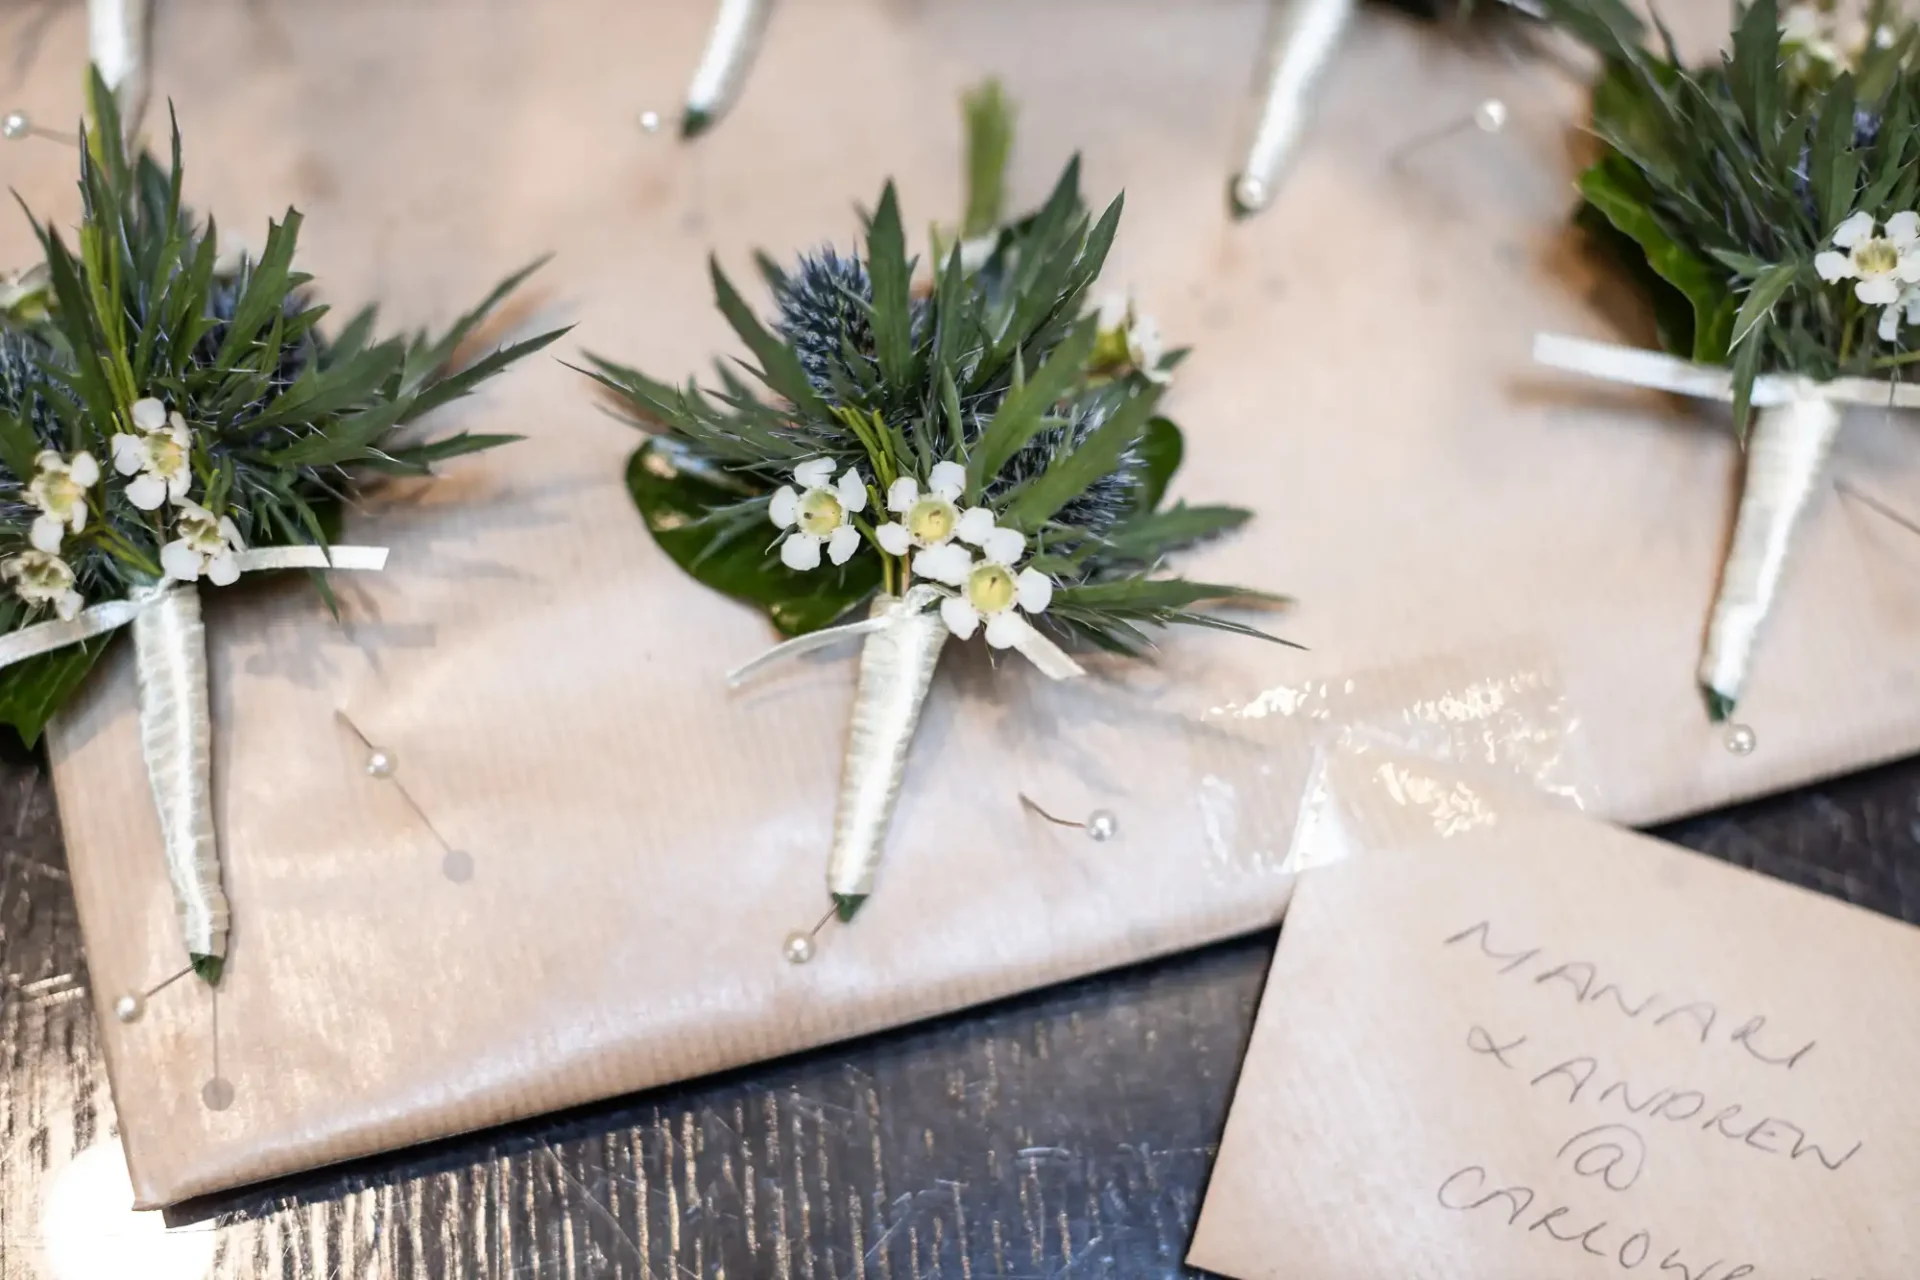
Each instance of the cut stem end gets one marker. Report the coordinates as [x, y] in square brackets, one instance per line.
[209, 968]
[1719, 705]
[846, 904]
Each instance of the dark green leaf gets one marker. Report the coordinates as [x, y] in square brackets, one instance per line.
[32, 691]
[1022, 413]
[890, 273]
[1760, 300]
[1069, 474]
[702, 524]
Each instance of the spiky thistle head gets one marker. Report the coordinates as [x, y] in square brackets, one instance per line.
[24, 388]
[1104, 503]
[823, 315]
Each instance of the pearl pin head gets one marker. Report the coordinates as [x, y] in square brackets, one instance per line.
[1490, 116]
[15, 124]
[1102, 825]
[799, 947]
[1741, 739]
[128, 1008]
[380, 764]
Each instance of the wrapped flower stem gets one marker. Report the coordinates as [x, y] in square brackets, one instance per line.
[1787, 452]
[1303, 37]
[731, 44]
[176, 734]
[896, 670]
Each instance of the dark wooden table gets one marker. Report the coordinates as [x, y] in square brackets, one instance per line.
[1067, 1133]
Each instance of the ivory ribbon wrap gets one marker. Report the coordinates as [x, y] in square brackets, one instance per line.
[896, 669]
[1786, 455]
[904, 637]
[1303, 38]
[176, 736]
[1793, 434]
[723, 67]
[176, 724]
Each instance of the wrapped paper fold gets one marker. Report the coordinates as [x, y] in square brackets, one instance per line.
[1464, 535]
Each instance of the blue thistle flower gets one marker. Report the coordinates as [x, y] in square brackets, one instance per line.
[823, 315]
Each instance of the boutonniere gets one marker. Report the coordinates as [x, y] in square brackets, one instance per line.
[1769, 205]
[977, 460]
[169, 423]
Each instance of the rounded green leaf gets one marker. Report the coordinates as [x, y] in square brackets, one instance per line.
[717, 530]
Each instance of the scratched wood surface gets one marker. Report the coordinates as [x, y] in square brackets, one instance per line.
[1068, 1133]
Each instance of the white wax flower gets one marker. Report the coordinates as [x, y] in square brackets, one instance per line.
[928, 519]
[59, 490]
[159, 451]
[42, 578]
[820, 511]
[1881, 265]
[988, 588]
[204, 544]
[1122, 327]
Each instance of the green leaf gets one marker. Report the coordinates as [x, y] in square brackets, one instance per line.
[779, 367]
[32, 691]
[1746, 370]
[719, 533]
[890, 273]
[1069, 474]
[1149, 537]
[1610, 186]
[18, 446]
[989, 123]
[427, 359]
[1833, 163]
[1766, 291]
[1022, 414]
[267, 289]
[464, 382]
[1755, 70]
[1161, 450]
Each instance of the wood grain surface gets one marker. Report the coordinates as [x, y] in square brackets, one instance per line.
[1063, 1134]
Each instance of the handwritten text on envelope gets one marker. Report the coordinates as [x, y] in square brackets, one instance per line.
[1555, 1049]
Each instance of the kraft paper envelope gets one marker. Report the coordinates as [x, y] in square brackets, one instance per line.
[1491, 561]
[1548, 1049]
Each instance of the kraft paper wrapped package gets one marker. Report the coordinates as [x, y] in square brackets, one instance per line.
[1531, 1044]
[1493, 563]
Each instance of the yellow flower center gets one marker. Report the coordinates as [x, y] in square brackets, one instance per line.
[931, 520]
[1876, 257]
[169, 459]
[44, 572]
[820, 512]
[990, 588]
[62, 493]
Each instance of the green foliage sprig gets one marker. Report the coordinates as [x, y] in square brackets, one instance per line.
[211, 381]
[1760, 198]
[1041, 419]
